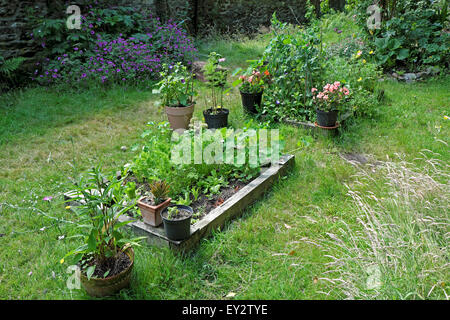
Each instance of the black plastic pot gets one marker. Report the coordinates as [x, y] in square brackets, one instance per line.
[216, 120]
[177, 229]
[251, 100]
[326, 119]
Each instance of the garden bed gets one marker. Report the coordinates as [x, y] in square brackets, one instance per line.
[235, 201]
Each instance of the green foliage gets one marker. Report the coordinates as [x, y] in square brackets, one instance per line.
[176, 86]
[411, 36]
[102, 201]
[8, 68]
[360, 76]
[101, 19]
[156, 160]
[295, 66]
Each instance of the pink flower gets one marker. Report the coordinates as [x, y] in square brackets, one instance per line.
[250, 79]
[222, 60]
[313, 90]
[325, 97]
[48, 198]
[337, 83]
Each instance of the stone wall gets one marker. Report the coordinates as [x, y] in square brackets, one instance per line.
[14, 38]
[200, 16]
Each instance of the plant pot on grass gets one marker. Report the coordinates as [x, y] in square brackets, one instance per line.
[177, 222]
[326, 118]
[179, 117]
[102, 287]
[176, 89]
[105, 257]
[216, 118]
[251, 101]
[151, 207]
[330, 102]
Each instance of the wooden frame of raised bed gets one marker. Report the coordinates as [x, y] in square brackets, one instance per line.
[216, 218]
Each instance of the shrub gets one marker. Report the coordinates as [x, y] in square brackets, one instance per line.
[104, 51]
[360, 76]
[411, 35]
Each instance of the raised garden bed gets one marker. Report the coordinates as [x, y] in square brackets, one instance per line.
[231, 207]
[229, 204]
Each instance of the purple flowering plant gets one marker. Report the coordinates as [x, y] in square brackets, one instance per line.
[102, 52]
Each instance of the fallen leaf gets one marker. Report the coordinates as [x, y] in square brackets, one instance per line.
[219, 202]
[230, 295]
[292, 253]
[315, 280]
[287, 226]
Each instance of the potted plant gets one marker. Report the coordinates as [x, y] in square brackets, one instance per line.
[252, 85]
[151, 207]
[329, 103]
[216, 116]
[177, 221]
[106, 257]
[177, 94]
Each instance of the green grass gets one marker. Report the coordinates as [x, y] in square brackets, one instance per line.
[271, 252]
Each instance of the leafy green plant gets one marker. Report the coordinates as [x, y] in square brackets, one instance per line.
[412, 33]
[172, 212]
[389, 50]
[7, 69]
[294, 63]
[102, 201]
[176, 86]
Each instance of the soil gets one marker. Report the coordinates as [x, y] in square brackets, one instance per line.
[181, 215]
[217, 111]
[150, 201]
[115, 265]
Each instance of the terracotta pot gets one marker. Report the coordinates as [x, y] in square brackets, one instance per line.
[152, 214]
[179, 117]
[105, 287]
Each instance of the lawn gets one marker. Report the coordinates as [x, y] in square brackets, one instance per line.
[276, 250]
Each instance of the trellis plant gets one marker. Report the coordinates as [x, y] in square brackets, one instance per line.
[217, 80]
